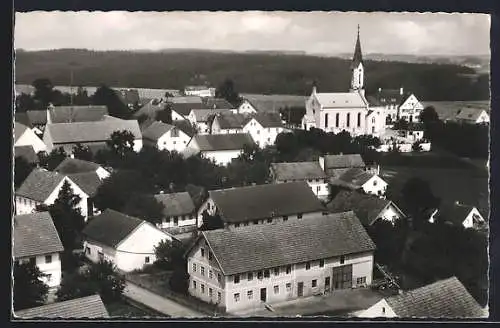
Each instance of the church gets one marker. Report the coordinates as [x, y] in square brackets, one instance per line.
[345, 111]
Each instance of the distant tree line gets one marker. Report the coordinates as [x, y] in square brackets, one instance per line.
[254, 73]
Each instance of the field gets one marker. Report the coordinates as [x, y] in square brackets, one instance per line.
[448, 109]
[469, 186]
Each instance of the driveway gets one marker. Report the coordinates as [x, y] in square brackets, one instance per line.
[158, 303]
[341, 303]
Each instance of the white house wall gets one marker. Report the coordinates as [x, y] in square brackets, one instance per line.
[92, 250]
[76, 190]
[102, 173]
[390, 213]
[167, 142]
[262, 136]
[29, 138]
[131, 253]
[222, 157]
[246, 108]
[53, 268]
[319, 188]
[25, 205]
[469, 222]
[381, 309]
[185, 220]
[375, 186]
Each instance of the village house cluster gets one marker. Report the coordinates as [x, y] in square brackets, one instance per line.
[283, 240]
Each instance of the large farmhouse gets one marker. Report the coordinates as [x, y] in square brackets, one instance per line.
[257, 265]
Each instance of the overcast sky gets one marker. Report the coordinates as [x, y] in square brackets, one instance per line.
[313, 32]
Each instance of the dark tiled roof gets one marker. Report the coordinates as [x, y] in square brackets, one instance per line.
[156, 130]
[39, 184]
[75, 165]
[87, 181]
[149, 110]
[374, 101]
[446, 298]
[354, 178]
[22, 117]
[35, 234]
[176, 204]
[232, 121]
[185, 100]
[202, 115]
[19, 129]
[469, 114]
[297, 171]
[78, 308]
[265, 201]
[358, 55]
[110, 227]
[214, 142]
[366, 207]
[269, 120]
[259, 247]
[343, 161]
[26, 152]
[391, 97]
[185, 108]
[37, 117]
[69, 114]
[90, 131]
[218, 103]
[186, 127]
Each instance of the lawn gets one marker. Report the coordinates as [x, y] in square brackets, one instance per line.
[123, 309]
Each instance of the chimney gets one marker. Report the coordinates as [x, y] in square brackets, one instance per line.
[322, 162]
[401, 91]
[379, 90]
[49, 107]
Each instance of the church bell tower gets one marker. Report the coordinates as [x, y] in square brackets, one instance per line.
[357, 69]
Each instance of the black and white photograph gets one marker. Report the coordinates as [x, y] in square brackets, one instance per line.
[250, 165]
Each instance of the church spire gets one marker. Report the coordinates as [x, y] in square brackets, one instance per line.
[358, 56]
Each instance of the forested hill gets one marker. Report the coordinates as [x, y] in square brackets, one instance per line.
[251, 72]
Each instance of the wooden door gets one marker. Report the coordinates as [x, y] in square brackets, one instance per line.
[342, 277]
[263, 294]
[300, 289]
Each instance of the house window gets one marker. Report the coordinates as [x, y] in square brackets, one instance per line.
[194, 267]
[202, 271]
[266, 273]
[237, 297]
[219, 297]
[176, 221]
[87, 250]
[209, 255]
[219, 277]
[326, 121]
[288, 287]
[32, 260]
[308, 265]
[285, 218]
[48, 258]
[383, 310]
[210, 274]
[342, 259]
[202, 252]
[359, 120]
[373, 120]
[259, 275]
[360, 280]
[374, 182]
[236, 278]
[250, 276]
[202, 288]
[299, 216]
[276, 271]
[250, 294]
[314, 283]
[337, 119]
[174, 133]
[255, 221]
[146, 259]
[277, 289]
[246, 224]
[318, 189]
[236, 225]
[258, 131]
[269, 220]
[48, 277]
[321, 263]
[194, 284]
[210, 292]
[348, 120]
[288, 269]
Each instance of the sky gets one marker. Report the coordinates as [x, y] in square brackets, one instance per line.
[313, 32]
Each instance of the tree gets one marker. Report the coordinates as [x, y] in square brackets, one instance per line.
[108, 97]
[102, 278]
[24, 102]
[165, 115]
[428, 115]
[82, 152]
[401, 124]
[53, 159]
[227, 91]
[121, 143]
[416, 146]
[29, 288]
[211, 222]
[292, 115]
[21, 170]
[418, 199]
[82, 98]
[145, 207]
[44, 92]
[67, 216]
[169, 252]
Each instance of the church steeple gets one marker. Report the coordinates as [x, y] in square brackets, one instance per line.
[357, 81]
